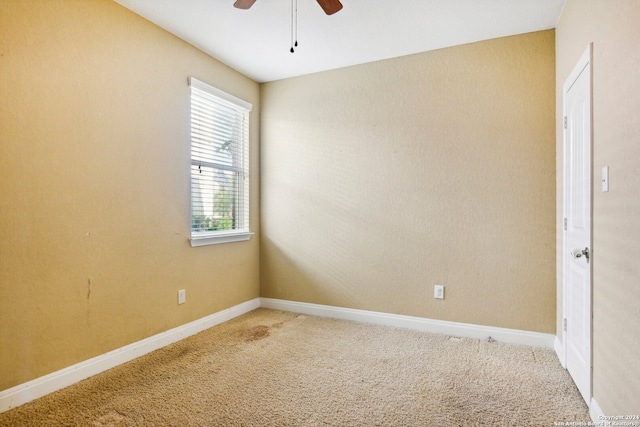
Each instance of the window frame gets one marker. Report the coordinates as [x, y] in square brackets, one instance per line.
[212, 237]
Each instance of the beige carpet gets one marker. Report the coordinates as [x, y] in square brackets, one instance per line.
[271, 368]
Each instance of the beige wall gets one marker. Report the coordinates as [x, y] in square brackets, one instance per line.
[381, 180]
[614, 31]
[94, 201]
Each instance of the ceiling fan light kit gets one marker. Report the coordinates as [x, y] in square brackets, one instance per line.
[328, 6]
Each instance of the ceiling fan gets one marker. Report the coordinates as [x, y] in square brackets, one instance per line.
[329, 6]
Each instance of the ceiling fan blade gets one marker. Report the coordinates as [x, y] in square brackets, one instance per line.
[329, 6]
[244, 4]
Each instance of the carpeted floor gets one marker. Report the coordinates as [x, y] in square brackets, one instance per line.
[272, 368]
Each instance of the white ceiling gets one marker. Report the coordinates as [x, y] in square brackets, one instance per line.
[256, 42]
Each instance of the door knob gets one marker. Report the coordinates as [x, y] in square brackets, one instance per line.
[579, 253]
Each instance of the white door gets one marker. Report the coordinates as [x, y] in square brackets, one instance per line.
[577, 237]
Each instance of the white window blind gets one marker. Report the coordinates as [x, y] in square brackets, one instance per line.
[219, 166]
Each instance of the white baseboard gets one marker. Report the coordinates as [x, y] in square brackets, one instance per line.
[42, 386]
[559, 348]
[512, 336]
[596, 414]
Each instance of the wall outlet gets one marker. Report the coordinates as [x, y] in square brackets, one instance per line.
[182, 296]
[438, 291]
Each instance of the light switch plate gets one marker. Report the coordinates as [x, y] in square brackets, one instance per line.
[605, 179]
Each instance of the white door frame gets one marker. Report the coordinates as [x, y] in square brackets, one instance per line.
[584, 61]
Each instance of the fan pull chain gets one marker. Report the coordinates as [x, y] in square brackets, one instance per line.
[294, 25]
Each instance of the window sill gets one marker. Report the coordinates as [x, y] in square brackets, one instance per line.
[218, 238]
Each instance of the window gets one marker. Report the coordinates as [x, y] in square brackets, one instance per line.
[219, 166]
